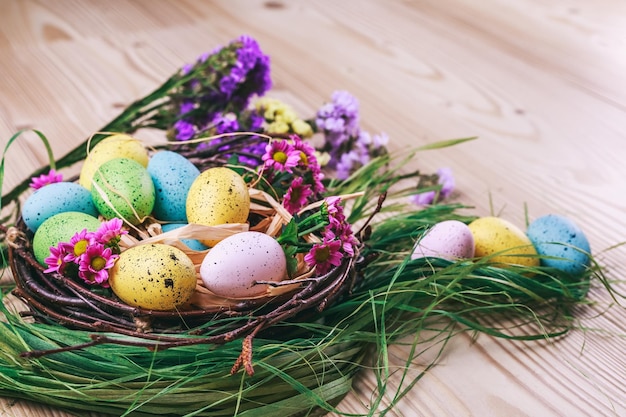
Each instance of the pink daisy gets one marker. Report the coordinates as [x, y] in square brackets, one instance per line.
[45, 179]
[95, 263]
[324, 256]
[109, 232]
[57, 261]
[281, 156]
[79, 244]
[296, 196]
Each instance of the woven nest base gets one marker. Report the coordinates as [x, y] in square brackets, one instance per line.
[59, 299]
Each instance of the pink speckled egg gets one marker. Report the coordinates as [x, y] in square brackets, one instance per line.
[232, 266]
[449, 239]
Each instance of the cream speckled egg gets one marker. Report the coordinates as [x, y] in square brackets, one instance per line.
[234, 264]
[503, 242]
[155, 277]
[450, 239]
[218, 196]
[111, 147]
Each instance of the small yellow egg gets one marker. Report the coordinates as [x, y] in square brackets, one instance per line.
[503, 242]
[155, 277]
[111, 147]
[218, 196]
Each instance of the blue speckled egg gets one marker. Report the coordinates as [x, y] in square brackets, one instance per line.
[60, 228]
[172, 175]
[555, 237]
[123, 188]
[191, 243]
[56, 198]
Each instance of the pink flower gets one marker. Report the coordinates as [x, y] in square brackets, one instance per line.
[324, 256]
[79, 244]
[296, 196]
[57, 261]
[95, 263]
[45, 179]
[109, 232]
[281, 156]
[309, 161]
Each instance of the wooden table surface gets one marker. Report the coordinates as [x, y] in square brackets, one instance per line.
[541, 83]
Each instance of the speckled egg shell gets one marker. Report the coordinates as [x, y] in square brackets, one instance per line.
[123, 180]
[556, 236]
[60, 228]
[111, 147]
[56, 198]
[154, 277]
[450, 239]
[235, 263]
[503, 242]
[218, 196]
[172, 175]
[191, 243]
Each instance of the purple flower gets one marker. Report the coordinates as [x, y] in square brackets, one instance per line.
[225, 123]
[50, 178]
[445, 182]
[184, 130]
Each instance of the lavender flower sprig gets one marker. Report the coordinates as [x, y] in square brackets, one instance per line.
[218, 83]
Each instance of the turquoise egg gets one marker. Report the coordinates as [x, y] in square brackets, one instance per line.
[60, 228]
[127, 186]
[191, 243]
[56, 198]
[172, 175]
[561, 243]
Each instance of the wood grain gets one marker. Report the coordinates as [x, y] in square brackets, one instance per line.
[541, 84]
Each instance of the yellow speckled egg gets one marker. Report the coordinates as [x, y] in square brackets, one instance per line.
[155, 277]
[218, 196]
[111, 147]
[504, 242]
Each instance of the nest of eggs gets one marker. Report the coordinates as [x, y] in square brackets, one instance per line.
[206, 317]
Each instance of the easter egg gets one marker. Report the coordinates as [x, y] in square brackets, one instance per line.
[154, 277]
[231, 268]
[56, 198]
[561, 242]
[123, 188]
[502, 242]
[111, 147]
[218, 196]
[450, 239]
[60, 228]
[191, 243]
[172, 175]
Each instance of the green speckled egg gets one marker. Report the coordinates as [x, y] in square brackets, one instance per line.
[218, 196]
[60, 228]
[155, 277]
[128, 187]
[111, 147]
[503, 242]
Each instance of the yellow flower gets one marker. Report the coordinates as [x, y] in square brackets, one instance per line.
[277, 127]
[302, 128]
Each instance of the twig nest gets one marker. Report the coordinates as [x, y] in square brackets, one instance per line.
[232, 268]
